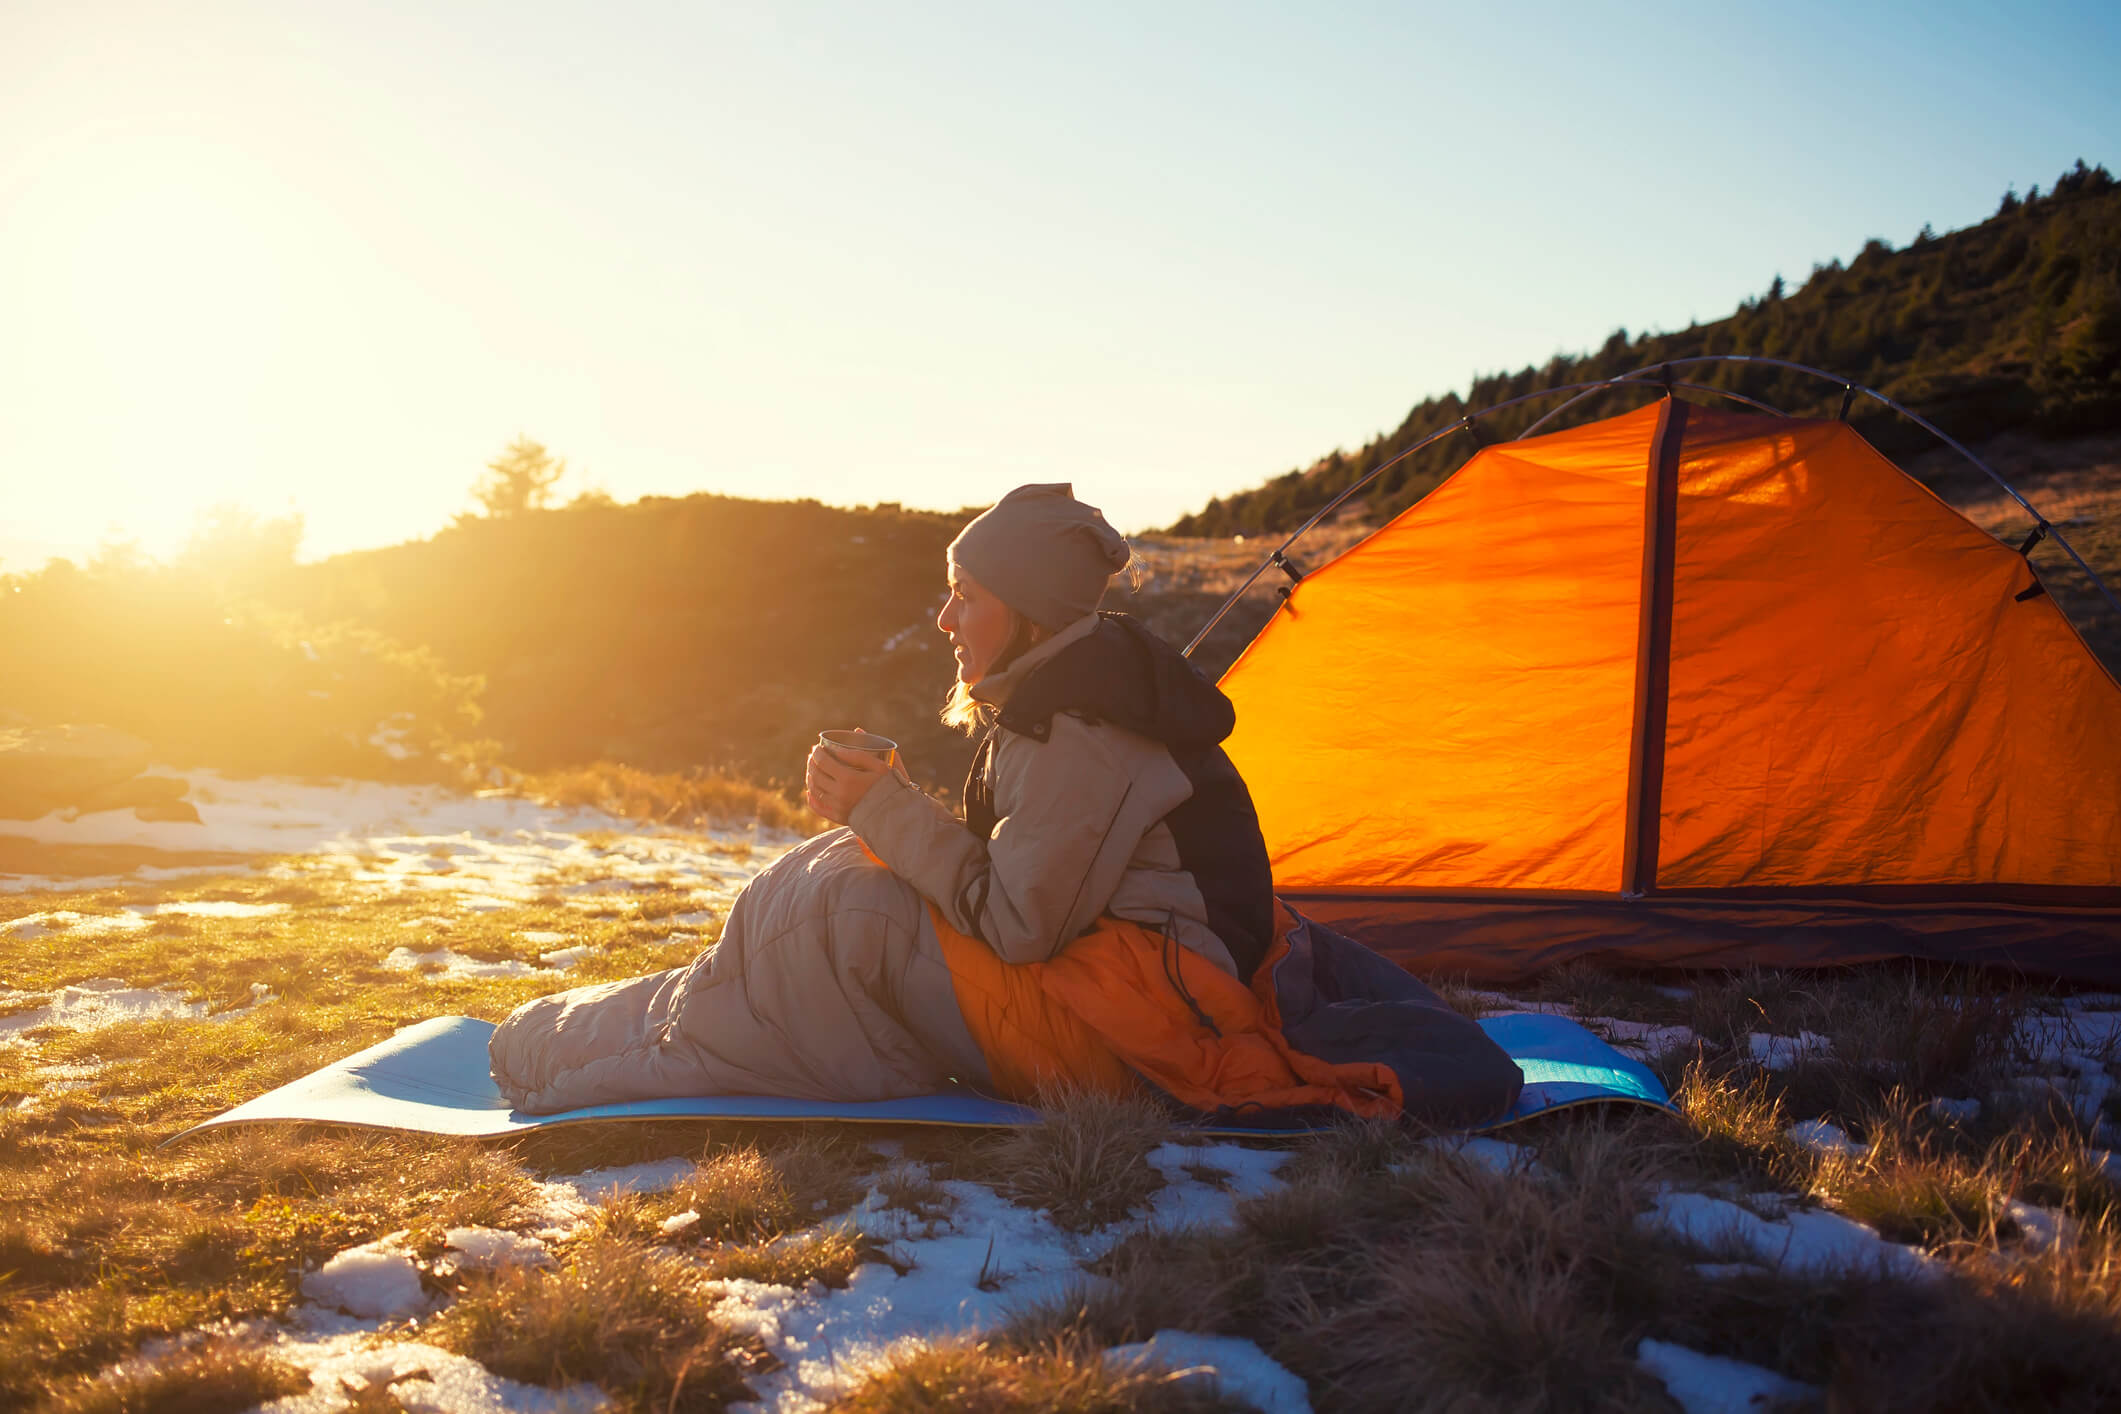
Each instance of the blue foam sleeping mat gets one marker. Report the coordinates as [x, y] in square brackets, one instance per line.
[431, 1077]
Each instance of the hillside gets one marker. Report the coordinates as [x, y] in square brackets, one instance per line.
[2013, 325]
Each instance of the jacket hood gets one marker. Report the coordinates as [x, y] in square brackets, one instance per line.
[1122, 673]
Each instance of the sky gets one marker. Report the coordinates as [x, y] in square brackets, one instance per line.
[330, 259]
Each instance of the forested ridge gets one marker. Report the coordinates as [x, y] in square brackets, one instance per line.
[2011, 324]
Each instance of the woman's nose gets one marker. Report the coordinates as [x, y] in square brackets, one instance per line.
[944, 618]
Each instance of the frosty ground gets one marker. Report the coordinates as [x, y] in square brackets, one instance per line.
[1887, 1188]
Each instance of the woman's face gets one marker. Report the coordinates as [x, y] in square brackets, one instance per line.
[979, 626]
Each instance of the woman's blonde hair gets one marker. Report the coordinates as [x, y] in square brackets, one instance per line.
[963, 712]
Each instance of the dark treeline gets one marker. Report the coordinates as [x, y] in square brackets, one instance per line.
[2014, 323]
[703, 631]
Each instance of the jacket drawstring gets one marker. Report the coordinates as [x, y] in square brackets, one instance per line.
[1174, 973]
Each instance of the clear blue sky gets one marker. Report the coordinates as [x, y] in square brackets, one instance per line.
[332, 257]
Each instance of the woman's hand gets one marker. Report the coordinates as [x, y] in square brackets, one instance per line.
[835, 782]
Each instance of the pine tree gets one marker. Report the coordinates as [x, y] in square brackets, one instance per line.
[520, 479]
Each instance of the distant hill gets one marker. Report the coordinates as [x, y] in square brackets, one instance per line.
[2014, 324]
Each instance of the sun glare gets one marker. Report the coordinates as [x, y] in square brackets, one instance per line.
[168, 304]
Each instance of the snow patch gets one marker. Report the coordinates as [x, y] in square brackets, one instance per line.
[566, 1201]
[424, 1379]
[447, 962]
[218, 908]
[1783, 1052]
[1824, 1139]
[2047, 1039]
[1717, 1384]
[1644, 1038]
[2040, 1229]
[1803, 1242]
[100, 1002]
[2082, 1093]
[75, 925]
[1235, 1368]
[482, 903]
[1237, 1173]
[377, 1280]
[488, 1248]
[1495, 1155]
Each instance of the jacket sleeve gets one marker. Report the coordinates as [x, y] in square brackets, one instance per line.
[1068, 827]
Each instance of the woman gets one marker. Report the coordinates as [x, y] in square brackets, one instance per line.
[1098, 786]
[1095, 919]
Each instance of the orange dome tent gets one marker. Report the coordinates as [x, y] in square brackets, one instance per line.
[1687, 687]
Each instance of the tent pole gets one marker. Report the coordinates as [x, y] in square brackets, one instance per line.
[1653, 651]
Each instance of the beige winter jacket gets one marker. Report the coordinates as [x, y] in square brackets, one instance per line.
[1080, 833]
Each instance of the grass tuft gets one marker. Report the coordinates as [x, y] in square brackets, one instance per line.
[1085, 1162]
[826, 1255]
[1069, 1376]
[616, 1314]
[204, 1379]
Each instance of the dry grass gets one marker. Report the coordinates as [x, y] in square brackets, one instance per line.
[619, 1315]
[1894, 1025]
[754, 1190]
[666, 798]
[1385, 1273]
[205, 1378]
[1064, 1376]
[826, 1255]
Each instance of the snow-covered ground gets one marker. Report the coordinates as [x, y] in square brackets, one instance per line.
[467, 853]
[485, 850]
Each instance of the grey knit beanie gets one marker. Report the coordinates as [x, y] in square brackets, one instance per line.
[1043, 553]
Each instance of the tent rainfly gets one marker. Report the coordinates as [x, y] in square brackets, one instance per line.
[1687, 687]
